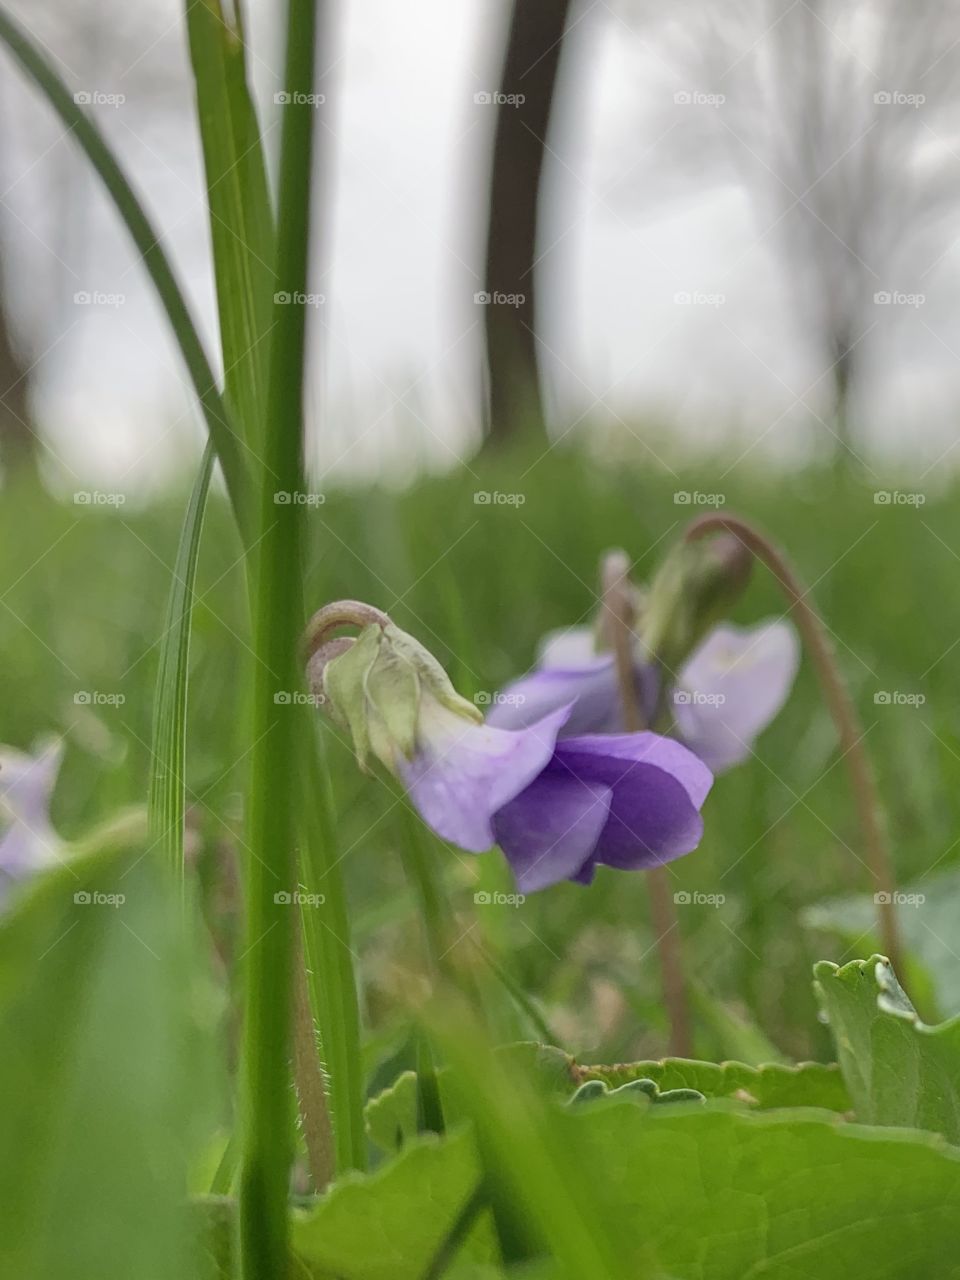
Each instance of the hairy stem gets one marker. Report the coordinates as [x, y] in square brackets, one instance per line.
[841, 707]
[618, 623]
[308, 1074]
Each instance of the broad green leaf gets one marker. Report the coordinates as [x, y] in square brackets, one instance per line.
[898, 1070]
[388, 1226]
[811, 1084]
[100, 1077]
[706, 1193]
[698, 1193]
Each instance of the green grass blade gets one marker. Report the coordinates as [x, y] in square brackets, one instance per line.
[277, 733]
[333, 988]
[241, 220]
[224, 435]
[165, 806]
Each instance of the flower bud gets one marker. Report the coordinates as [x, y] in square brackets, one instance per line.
[379, 686]
[695, 586]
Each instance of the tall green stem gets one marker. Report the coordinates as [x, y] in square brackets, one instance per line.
[276, 729]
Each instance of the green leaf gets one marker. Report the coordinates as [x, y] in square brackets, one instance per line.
[715, 1194]
[101, 1077]
[898, 1070]
[391, 1116]
[388, 1226]
[811, 1084]
[168, 754]
[927, 913]
[241, 220]
[82, 128]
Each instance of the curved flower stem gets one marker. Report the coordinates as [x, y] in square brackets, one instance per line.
[618, 623]
[841, 707]
[337, 614]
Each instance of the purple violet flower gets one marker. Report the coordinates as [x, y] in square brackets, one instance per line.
[557, 808]
[28, 842]
[726, 693]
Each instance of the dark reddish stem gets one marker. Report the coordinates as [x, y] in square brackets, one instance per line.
[841, 707]
[618, 622]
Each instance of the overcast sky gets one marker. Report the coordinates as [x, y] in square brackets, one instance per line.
[400, 245]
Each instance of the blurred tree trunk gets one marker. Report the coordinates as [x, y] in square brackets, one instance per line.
[527, 86]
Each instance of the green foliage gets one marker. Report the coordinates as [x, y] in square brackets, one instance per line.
[105, 1074]
[898, 1071]
[811, 1084]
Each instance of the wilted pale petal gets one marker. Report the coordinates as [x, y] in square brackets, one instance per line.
[732, 687]
[590, 691]
[462, 773]
[658, 788]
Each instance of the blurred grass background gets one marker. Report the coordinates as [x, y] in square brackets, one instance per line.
[84, 589]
